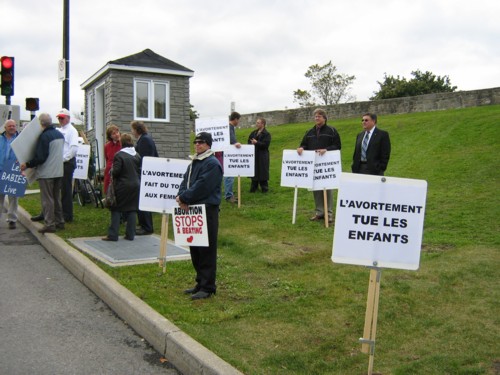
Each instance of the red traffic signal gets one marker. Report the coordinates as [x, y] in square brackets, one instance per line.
[7, 75]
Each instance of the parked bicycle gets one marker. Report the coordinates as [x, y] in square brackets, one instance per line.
[86, 194]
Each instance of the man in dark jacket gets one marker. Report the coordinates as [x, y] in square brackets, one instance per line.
[373, 148]
[145, 146]
[201, 185]
[321, 138]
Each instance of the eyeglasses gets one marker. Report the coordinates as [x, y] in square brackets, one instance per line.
[365, 120]
[199, 142]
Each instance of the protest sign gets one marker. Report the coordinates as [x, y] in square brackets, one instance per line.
[327, 170]
[190, 226]
[82, 162]
[379, 221]
[239, 162]
[297, 170]
[12, 181]
[25, 143]
[160, 181]
[218, 128]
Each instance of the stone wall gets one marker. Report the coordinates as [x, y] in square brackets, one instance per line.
[421, 103]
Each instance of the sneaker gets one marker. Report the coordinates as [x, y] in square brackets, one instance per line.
[201, 295]
[317, 218]
[232, 199]
[12, 225]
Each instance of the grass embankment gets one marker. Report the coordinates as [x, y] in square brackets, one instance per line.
[283, 307]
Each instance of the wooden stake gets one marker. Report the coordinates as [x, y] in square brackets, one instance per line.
[325, 207]
[295, 205]
[371, 316]
[239, 191]
[163, 242]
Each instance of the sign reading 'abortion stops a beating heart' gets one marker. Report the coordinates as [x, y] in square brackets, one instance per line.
[190, 226]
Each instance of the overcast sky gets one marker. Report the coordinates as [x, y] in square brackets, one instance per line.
[252, 52]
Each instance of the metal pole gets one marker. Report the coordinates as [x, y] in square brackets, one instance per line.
[65, 83]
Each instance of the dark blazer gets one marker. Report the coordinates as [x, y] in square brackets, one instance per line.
[126, 181]
[145, 146]
[261, 154]
[377, 154]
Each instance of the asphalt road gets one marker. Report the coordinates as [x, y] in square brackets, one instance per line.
[52, 324]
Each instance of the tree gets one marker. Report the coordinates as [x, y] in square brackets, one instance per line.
[328, 86]
[193, 114]
[420, 84]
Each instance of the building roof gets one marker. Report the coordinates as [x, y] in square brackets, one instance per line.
[145, 61]
[149, 59]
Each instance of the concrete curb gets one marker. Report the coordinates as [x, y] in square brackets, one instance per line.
[187, 355]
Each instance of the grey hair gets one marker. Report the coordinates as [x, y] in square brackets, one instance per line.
[45, 120]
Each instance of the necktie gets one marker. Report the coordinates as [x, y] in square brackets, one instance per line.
[364, 146]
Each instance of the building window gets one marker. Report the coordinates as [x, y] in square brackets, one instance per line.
[151, 100]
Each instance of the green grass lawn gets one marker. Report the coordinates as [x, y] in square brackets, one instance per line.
[283, 307]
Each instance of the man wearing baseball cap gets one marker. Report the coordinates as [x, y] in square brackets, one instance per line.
[69, 159]
[202, 185]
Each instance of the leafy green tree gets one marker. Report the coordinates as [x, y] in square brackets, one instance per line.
[420, 84]
[193, 114]
[327, 86]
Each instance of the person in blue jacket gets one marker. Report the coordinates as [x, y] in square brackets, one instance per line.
[7, 157]
[202, 185]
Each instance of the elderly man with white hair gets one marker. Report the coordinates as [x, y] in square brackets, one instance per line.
[7, 157]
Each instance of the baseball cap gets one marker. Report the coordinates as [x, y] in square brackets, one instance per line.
[63, 112]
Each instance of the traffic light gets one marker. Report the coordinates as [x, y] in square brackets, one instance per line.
[7, 76]
[32, 104]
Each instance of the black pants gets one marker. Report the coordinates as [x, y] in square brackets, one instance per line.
[67, 189]
[145, 220]
[204, 259]
[263, 185]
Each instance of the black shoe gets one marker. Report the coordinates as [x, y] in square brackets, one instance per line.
[201, 295]
[60, 226]
[128, 238]
[12, 225]
[108, 239]
[142, 232]
[46, 230]
[192, 290]
[37, 218]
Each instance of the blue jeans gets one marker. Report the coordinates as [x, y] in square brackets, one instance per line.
[228, 187]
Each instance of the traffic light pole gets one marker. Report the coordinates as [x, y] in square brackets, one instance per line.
[65, 82]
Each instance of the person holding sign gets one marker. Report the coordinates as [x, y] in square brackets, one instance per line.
[112, 146]
[261, 139]
[126, 173]
[145, 146]
[7, 157]
[48, 161]
[234, 120]
[201, 185]
[321, 138]
[373, 148]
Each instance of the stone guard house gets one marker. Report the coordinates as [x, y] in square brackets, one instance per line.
[145, 87]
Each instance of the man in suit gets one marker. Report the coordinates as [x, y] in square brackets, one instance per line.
[373, 148]
[145, 146]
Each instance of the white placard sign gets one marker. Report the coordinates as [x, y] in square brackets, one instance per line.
[218, 128]
[160, 181]
[379, 221]
[327, 170]
[82, 162]
[239, 161]
[25, 143]
[297, 170]
[190, 226]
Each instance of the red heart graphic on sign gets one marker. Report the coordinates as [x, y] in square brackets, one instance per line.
[190, 239]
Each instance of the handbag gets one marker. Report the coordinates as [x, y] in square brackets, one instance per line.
[110, 200]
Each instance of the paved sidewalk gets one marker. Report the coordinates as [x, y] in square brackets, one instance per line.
[186, 354]
[52, 324]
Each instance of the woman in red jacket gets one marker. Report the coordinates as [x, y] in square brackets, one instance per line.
[110, 149]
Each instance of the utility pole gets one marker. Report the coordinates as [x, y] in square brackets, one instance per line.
[65, 82]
